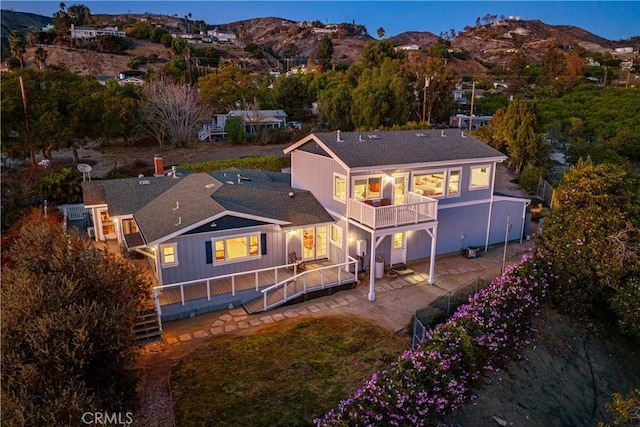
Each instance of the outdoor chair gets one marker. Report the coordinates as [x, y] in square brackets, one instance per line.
[293, 259]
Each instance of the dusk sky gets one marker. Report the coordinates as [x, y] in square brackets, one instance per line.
[610, 19]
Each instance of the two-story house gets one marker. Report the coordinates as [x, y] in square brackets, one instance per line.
[259, 239]
[406, 195]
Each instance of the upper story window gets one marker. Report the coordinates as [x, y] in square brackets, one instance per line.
[429, 184]
[339, 187]
[169, 255]
[367, 188]
[453, 186]
[480, 176]
[237, 248]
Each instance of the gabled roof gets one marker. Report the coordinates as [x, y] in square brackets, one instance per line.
[164, 206]
[395, 148]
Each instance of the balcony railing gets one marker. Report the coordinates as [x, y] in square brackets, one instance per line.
[417, 209]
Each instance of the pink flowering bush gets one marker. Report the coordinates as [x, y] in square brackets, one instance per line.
[435, 378]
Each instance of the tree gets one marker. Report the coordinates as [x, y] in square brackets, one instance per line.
[170, 110]
[157, 33]
[591, 241]
[40, 57]
[335, 105]
[381, 33]
[226, 89]
[79, 14]
[18, 46]
[517, 131]
[324, 52]
[292, 94]
[376, 51]
[234, 128]
[62, 23]
[382, 98]
[68, 312]
[554, 65]
[517, 72]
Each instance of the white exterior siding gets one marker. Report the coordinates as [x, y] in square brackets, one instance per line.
[315, 173]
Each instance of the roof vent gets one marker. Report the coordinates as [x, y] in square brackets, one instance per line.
[420, 135]
[338, 137]
[373, 136]
[144, 182]
[211, 185]
[291, 194]
[230, 182]
[360, 138]
[442, 134]
[462, 135]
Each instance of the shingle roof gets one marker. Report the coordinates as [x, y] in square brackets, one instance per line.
[381, 148]
[164, 206]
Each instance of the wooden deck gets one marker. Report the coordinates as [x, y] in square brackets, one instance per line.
[222, 286]
[315, 279]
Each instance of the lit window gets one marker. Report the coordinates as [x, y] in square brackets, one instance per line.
[429, 184]
[336, 235]
[237, 248]
[367, 188]
[169, 255]
[339, 187]
[479, 177]
[454, 183]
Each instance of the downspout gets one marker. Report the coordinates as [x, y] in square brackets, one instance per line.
[348, 215]
[493, 180]
[524, 217]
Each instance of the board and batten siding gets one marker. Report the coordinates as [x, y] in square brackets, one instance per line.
[502, 208]
[192, 256]
[314, 173]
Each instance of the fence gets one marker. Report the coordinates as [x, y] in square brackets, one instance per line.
[445, 305]
[544, 191]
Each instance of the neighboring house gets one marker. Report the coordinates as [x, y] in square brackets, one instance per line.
[197, 227]
[222, 36]
[406, 195]
[256, 120]
[462, 121]
[131, 80]
[92, 33]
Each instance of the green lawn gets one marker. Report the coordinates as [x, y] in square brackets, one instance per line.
[284, 376]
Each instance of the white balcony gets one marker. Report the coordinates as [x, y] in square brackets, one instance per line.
[417, 209]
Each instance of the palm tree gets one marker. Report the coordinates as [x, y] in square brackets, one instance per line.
[40, 57]
[381, 32]
[17, 45]
[242, 31]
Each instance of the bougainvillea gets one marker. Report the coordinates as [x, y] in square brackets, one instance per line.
[436, 377]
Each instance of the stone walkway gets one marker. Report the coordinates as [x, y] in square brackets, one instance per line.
[391, 308]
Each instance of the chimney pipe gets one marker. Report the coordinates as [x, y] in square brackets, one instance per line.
[158, 164]
[338, 136]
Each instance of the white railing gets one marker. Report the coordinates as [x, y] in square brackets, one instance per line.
[417, 209]
[74, 212]
[306, 287]
[208, 280]
[208, 131]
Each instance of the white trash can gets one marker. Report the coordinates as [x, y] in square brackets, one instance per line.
[379, 267]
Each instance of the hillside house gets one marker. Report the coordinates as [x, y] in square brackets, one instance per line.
[87, 33]
[222, 36]
[352, 200]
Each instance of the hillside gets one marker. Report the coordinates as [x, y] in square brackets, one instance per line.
[21, 21]
[486, 45]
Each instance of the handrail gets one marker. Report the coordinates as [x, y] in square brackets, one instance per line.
[419, 209]
[208, 281]
[304, 274]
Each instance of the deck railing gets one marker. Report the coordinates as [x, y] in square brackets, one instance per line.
[74, 212]
[291, 287]
[209, 280]
[417, 209]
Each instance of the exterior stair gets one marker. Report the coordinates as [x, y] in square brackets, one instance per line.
[147, 327]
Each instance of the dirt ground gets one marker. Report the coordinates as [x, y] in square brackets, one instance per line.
[564, 379]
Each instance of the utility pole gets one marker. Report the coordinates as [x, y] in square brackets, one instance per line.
[32, 155]
[473, 93]
[605, 77]
[424, 99]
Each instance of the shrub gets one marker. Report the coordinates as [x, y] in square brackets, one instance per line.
[268, 163]
[529, 177]
[436, 377]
